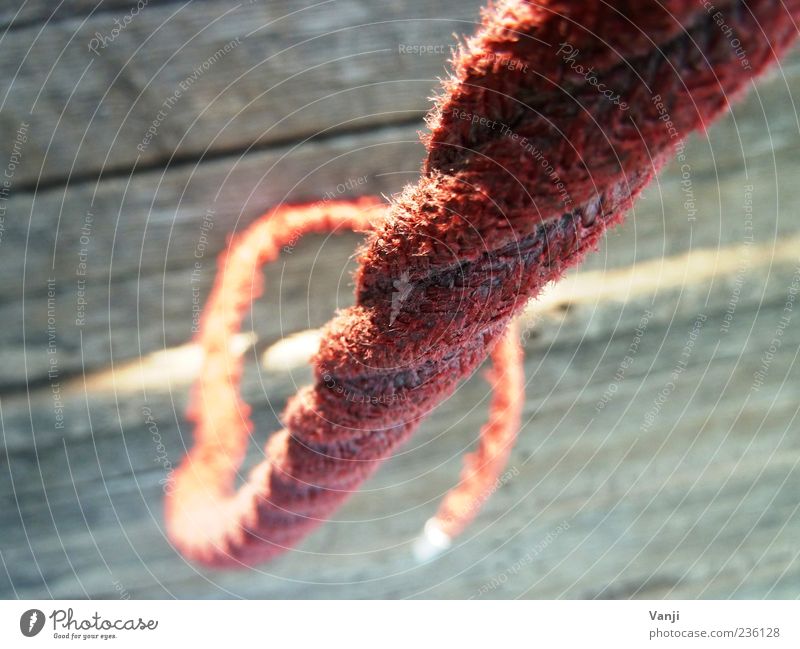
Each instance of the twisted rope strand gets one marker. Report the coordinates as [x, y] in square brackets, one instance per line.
[205, 480]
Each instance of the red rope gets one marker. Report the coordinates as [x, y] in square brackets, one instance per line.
[223, 426]
[530, 158]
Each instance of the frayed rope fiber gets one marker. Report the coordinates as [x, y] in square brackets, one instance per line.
[557, 114]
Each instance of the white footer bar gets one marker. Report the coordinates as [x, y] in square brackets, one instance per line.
[402, 624]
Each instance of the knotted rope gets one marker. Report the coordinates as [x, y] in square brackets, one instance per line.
[558, 113]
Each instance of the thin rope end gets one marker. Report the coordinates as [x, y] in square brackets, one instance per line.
[431, 543]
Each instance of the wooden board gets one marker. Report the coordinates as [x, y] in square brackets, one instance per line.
[700, 503]
[246, 74]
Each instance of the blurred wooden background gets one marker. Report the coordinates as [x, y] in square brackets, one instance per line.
[621, 486]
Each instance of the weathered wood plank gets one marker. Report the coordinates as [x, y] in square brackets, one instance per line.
[660, 480]
[308, 69]
[701, 502]
[232, 74]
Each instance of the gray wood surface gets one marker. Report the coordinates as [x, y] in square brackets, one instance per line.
[293, 70]
[693, 497]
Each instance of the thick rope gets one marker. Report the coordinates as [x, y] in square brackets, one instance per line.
[223, 426]
[531, 157]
